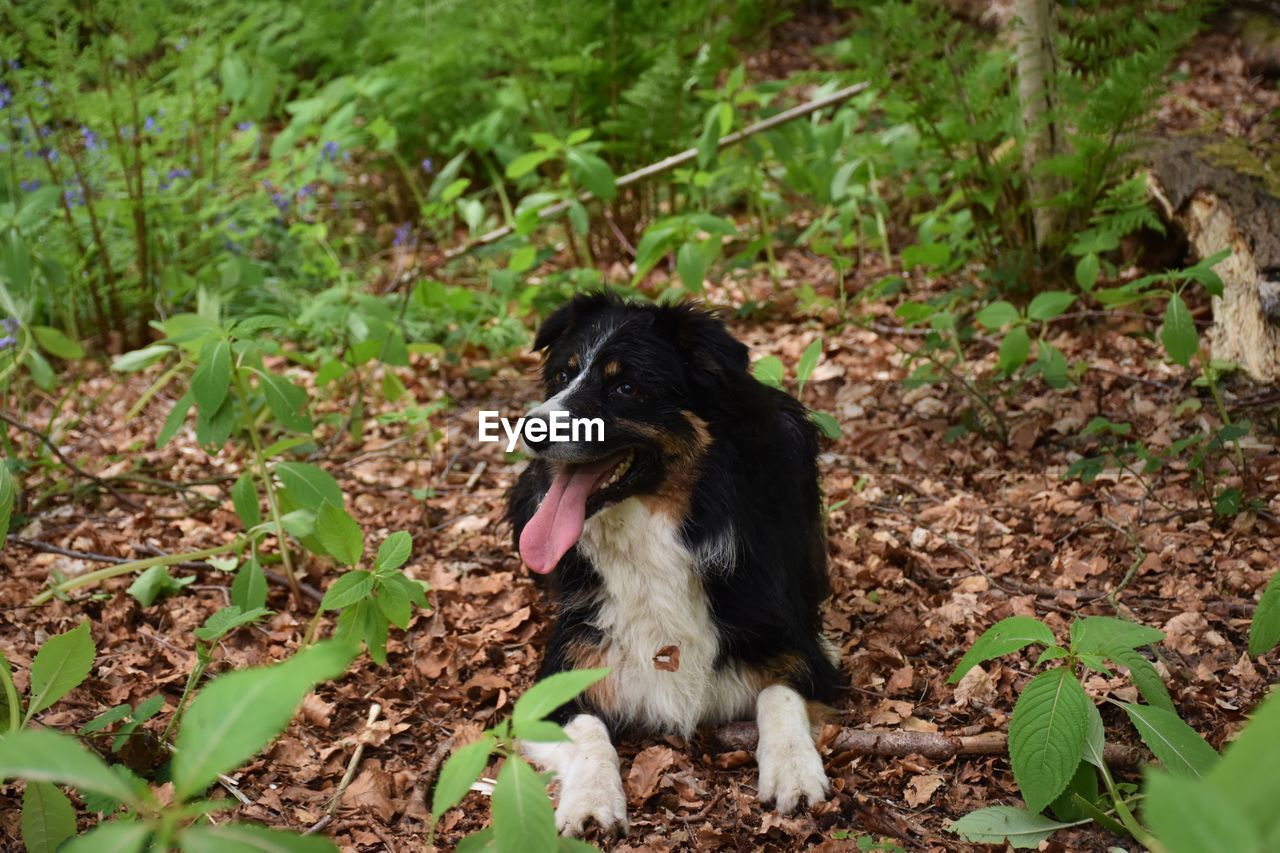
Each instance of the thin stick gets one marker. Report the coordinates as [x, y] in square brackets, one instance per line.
[899, 744]
[374, 710]
[62, 457]
[672, 162]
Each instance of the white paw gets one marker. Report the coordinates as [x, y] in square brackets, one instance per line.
[591, 793]
[787, 776]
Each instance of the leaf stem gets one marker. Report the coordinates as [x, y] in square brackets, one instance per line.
[11, 696]
[135, 566]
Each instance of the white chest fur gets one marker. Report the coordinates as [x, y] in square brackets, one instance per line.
[652, 598]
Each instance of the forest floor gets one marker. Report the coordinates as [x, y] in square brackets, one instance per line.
[930, 543]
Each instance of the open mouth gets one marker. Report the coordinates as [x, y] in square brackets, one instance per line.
[557, 524]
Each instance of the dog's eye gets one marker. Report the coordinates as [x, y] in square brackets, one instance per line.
[561, 377]
[626, 389]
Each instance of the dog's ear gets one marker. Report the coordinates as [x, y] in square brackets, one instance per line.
[710, 352]
[570, 315]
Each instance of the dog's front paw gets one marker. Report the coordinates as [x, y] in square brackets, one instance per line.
[592, 796]
[787, 776]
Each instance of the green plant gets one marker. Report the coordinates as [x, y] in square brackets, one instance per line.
[231, 719]
[1264, 630]
[370, 600]
[1056, 734]
[522, 813]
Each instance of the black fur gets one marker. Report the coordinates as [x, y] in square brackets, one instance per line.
[757, 478]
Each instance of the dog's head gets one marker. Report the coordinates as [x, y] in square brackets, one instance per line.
[639, 383]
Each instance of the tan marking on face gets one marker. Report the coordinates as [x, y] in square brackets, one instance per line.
[684, 457]
[574, 361]
[613, 368]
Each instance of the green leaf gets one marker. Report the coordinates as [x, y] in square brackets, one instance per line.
[826, 424]
[807, 363]
[522, 815]
[553, 691]
[540, 731]
[213, 428]
[997, 315]
[998, 824]
[1176, 744]
[347, 590]
[212, 378]
[1264, 633]
[394, 551]
[1095, 738]
[61, 664]
[1047, 735]
[140, 359]
[239, 713]
[106, 719]
[1247, 773]
[8, 496]
[249, 589]
[307, 486]
[1052, 365]
[48, 818]
[56, 343]
[339, 533]
[588, 170]
[1014, 350]
[1189, 816]
[1099, 635]
[224, 621]
[1145, 676]
[691, 266]
[174, 420]
[286, 401]
[155, 583]
[1178, 333]
[526, 163]
[769, 370]
[1228, 502]
[247, 838]
[112, 837]
[1050, 304]
[1087, 270]
[1005, 637]
[394, 604]
[1083, 785]
[43, 755]
[651, 249]
[926, 255]
[244, 497]
[463, 768]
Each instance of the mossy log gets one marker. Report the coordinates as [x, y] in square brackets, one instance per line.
[1222, 195]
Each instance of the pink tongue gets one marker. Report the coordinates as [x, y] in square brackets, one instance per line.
[557, 524]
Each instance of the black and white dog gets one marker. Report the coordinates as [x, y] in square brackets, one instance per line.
[686, 549]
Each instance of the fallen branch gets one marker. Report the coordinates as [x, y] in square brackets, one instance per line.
[899, 744]
[66, 460]
[354, 764]
[686, 156]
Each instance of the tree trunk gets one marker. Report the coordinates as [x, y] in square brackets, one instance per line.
[1033, 25]
[1222, 196]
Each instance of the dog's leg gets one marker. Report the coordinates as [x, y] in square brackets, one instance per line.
[590, 778]
[790, 767]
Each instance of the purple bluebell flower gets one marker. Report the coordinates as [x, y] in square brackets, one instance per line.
[428, 166]
[306, 192]
[149, 124]
[244, 126]
[6, 96]
[402, 235]
[91, 140]
[281, 201]
[10, 324]
[29, 186]
[73, 196]
[174, 174]
[7, 341]
[330, 150]
[14, 65]
[45, 131]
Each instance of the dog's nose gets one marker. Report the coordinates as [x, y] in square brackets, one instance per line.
[536, 434]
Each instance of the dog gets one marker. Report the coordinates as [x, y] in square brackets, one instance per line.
[685, 550]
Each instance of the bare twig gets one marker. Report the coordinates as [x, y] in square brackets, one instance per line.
[374, 710]
[899, 744]
[65, 460]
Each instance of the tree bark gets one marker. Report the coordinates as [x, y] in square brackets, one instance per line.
[1033, 25]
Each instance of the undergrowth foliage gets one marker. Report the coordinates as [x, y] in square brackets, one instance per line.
[276, 212]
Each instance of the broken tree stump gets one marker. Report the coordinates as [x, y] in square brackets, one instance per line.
[1221, 196]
